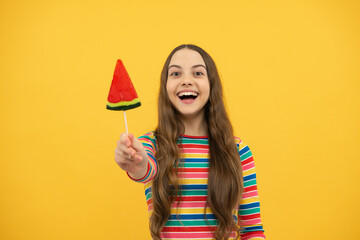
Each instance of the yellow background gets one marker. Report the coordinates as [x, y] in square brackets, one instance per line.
[291, 77]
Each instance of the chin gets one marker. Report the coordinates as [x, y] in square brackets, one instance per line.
[190, 114]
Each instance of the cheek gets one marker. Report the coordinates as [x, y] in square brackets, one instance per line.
[206, 88]
[170, 88]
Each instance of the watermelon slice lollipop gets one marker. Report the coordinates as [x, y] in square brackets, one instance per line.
[122, 95]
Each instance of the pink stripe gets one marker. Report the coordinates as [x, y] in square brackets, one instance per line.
[196, 150]
[247, 236]
[150, 207]
[191, 235]
[250, 194]
[193, 175]
[250, 222]
[145, 182]
[153, 166]
[188, 235]
[189, 205]
[248, 166]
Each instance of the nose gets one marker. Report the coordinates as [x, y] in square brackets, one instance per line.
[187, 80]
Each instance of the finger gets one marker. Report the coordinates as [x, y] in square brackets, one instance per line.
[120, 143]
[125, 139]
[120, 159]
[120, 156]
[135, 143]
[127, 151]
[137, 158]
[131, 137]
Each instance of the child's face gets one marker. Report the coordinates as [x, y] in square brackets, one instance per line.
[187, 83]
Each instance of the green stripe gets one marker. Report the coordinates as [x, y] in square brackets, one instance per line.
[245, 156]
[185, 193]
[148, 145]
[249, 211]
[194, 141]
[123, 106]
[176, 223]
[148, 196]
[195, 165]
[123, 103]
[193, 193]
[250, 183]
[151, 138]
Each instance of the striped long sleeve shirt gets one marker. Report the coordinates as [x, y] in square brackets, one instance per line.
[187, 219]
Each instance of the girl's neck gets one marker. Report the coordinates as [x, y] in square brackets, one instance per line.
[195, 126]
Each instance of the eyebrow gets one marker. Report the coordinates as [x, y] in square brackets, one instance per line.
[195, 66]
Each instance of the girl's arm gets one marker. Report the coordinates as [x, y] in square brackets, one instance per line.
[148, 142]
[130, 155]
[249, 220]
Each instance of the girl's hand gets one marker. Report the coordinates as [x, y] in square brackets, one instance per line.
[131, 156]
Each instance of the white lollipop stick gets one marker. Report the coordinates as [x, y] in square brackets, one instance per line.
[126, 127]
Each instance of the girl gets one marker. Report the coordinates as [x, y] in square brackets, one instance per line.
[199, 179]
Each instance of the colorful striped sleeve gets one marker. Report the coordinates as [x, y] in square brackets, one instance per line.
[249, 220]
[149, 142]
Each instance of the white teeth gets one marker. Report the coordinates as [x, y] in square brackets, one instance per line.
[187, 94]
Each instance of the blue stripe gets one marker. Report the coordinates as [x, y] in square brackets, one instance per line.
[150, 169]
[249, 177]
[148, 145]
[147, 176]
[150, 151]
[251, 229]
[147, 191]
[194, 186]
[152, 157]
[244, 150]
[250, 205]
[196, 160]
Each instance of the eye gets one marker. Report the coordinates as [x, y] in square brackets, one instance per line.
[175, 74]
[198, 74]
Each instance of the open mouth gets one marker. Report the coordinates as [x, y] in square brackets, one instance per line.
[187, 95]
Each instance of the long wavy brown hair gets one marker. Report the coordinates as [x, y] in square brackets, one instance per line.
[225, 184]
